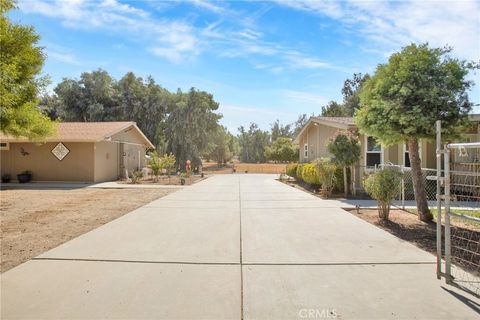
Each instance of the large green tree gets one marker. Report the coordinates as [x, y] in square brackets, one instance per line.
[282, 150]
[189, 125]
[21, 61]
[96, 96]
[253, 143]
[334, 109]
[299, 124]
[221, 146]
[279, 130]
[404, 98]
[351, 99]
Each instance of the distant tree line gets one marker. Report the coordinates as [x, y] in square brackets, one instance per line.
[257, 145]
[183, 123]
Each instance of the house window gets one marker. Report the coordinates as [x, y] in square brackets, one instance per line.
[373, 152]
[305, 151]
[4, 146]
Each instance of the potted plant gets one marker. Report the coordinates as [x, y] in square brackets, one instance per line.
[183, 175]
[5, 178]
[24, 177]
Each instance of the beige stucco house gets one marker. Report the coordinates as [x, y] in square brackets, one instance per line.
[79, 152]
[315, 135]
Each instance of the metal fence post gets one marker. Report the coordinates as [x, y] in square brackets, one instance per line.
[439, 200]
[448, 249]
[403, 187]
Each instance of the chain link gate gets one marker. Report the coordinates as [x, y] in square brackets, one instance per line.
[458, 187]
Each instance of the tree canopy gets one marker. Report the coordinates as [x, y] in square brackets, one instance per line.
[21, 61]
[417, 86]
[345, 148]
[282, 150]
[222, 146]
[404, 98]
[253, 143]
[351, 99]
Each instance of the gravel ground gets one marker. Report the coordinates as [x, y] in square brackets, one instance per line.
[34, 221]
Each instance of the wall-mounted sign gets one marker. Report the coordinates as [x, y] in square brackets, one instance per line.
[60, 151]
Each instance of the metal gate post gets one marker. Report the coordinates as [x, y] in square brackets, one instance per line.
[439, 200]
[402, 169]
[448, 249]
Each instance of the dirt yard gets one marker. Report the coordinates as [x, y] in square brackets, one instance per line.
[260, 167]
[34, 221]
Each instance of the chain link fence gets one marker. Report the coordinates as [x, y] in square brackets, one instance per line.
[405, 199]
[460, 211]
[462, 215]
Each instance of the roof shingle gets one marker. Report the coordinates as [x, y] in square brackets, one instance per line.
[80, 131]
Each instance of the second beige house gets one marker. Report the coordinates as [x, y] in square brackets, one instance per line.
[315, 135]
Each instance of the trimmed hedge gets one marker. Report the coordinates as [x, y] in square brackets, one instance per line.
[310, 174]
[298, 174]
[313, 173]
[292, 170]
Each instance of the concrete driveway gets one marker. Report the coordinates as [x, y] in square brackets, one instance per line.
[233, 247]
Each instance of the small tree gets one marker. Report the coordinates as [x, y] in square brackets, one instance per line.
[167, 162]
[155, 164]
[383, 186]
[282, 150]
[326, 175]
[403, 99]
[345, 147]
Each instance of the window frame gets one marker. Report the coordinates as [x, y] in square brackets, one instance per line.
[305, 150]
[372, 152]
[7, 146]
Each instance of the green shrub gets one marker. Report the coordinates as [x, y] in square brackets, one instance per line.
[292, 170]
[298, 174]
[326, 168]
[310, 175]
[383, 186]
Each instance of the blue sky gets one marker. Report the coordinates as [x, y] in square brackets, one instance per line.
[261, 60]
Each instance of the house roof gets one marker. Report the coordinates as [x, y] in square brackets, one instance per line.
[84, 132]
[345, 123]
[336, 122]
[341, 120]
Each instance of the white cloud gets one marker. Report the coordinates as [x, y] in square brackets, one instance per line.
[65, 57]
[179, 40]
[173, 40]
[305, 98]
[388, 25]
[208, 5]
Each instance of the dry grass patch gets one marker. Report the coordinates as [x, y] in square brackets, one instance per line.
[260, 167]
[34, 221]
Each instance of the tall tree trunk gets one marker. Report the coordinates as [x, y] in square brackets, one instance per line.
[345, 181]
[424, 213]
